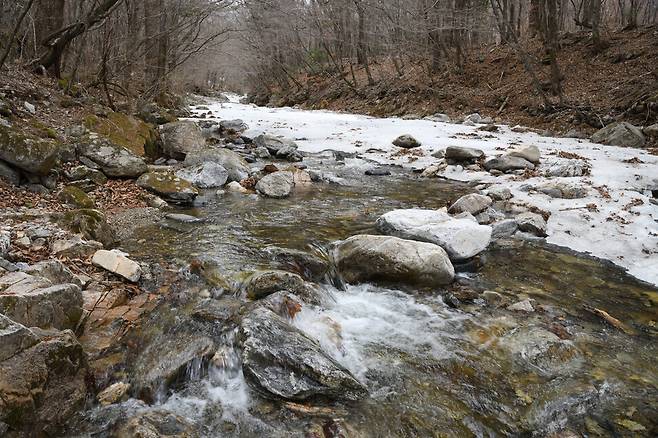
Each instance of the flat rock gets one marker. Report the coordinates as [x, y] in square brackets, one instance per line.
[282, 361]
[55, 271]
[75, 247]
[365, 258]
[461, 238]
[117, 263]
[169, 187]
[529, 153]
[458, 153]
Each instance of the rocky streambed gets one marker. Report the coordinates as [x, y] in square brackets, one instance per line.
[273, 291]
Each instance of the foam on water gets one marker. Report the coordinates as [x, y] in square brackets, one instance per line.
[366, 317]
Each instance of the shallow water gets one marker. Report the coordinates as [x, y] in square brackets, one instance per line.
[431, 369]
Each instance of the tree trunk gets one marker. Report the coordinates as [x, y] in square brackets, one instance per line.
[49, 19]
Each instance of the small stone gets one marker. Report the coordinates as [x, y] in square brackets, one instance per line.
[521, 306]
[236, 187]
[30, 108]
[529, 153]
[276, 185]
[116, 262]
[492, 298]
[406, 141]
[458, 153]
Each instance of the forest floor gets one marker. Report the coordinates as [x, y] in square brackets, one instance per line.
[617, 83]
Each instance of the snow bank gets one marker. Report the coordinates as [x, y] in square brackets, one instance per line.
[622, 228]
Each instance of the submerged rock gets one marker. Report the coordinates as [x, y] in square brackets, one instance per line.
[169, 187]
[279, 360]
[155, 424]
[307, 265]
[262, 284]
[406, 141]
[461, 238]
[366, 258]
[620, 134]
[181, 138]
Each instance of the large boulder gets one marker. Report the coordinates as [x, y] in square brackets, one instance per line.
[276, 185]
[406, 141]
[126, 131]
[236, 166]
[31, 154]
[75, 197]
[472, 203]
[460, 238]
[43, 386]
[169, 187]
[9, 173]
[205, 176]
[620, 134]
[35, 302]
[181, 138]
[279, 147]
[280, 360]
[506, 163]
[115, 161]
[365, 258]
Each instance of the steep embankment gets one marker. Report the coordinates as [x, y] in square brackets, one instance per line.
[619, 82]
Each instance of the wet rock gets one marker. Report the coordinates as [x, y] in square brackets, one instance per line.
[75, 247]
[115, 161]
[504, 229]
[563, 190]
[493, 298]
[457, 153]
[276, 185]
[289, 153]
[521, 306]
[79, 173]
[541, 351]
[307, 265]
[262, 284]
[75, 197]
[31, 154]
[281, 361]
[205, 176]
[472, 203]
[34, 302]
[571, 168]
[169, 187]
[366, 258]
[43, 386]
[117, 263]
[237, 168]
[157, 424]
[163, 362]
[113, 393]
[461, 238]
[499, 193]
[90, 224]
[506, 163]
[274, 144]
[620, 134]
[181, 138]
[532, 223]
[378, 171]
[406, 141]
[184, 218]
[10, 174]
[14, 338]
[528, 153]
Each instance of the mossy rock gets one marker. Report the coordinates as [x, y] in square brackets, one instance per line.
[124, 130]
[75, 197]
[31, 154]
[169, 187]
[90, 223]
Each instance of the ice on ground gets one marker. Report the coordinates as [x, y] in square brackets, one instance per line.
[615, 221]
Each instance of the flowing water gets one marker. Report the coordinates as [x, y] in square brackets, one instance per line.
[471, 369]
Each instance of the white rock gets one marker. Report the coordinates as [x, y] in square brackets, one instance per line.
[461, 238]
[30, 108]
[521, 306]
[116, 262]
[236, 187]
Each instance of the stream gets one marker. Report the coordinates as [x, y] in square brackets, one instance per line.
[436, 363]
